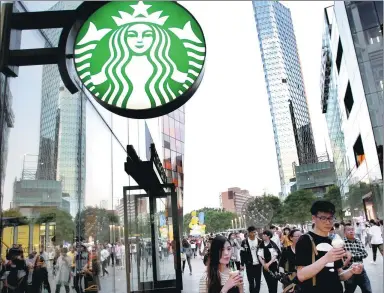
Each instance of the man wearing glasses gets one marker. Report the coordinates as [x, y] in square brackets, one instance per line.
[356, 248]
[319, 265]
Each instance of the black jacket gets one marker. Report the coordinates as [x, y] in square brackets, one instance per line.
[245, 252]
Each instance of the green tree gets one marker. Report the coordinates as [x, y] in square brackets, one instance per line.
[216, 220]
[95, 222]
[297, 206]
[333, 195]
[12, 213]
[355, 195]
[277, 207]
[64, 225]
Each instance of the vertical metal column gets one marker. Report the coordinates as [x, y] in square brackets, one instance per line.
[127, 244]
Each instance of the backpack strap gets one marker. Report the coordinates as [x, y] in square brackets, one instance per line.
[314, 253]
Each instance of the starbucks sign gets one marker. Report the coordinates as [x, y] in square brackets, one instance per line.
[140, 59]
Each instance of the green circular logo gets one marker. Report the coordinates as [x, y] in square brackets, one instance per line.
[140, 59]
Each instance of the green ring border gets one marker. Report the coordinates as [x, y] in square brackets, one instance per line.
[84, 11]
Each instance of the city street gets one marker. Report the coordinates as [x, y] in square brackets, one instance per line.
[110, 283]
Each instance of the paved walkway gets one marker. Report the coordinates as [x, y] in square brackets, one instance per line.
[116, 281]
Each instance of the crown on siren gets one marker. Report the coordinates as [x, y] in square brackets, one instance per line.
[140, 9]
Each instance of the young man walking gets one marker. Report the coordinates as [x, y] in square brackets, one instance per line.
[324, 273]
[355, 247]
[249, 259]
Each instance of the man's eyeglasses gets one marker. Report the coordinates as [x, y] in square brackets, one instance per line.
[326, 219]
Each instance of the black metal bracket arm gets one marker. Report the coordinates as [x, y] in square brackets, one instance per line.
[14, 22]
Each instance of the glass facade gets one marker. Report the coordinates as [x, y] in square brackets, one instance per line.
[285, 88]
[61, 149]
[352, 101]
[74, 187]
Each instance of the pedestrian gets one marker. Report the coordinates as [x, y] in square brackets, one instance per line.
[236, 246]
[269, 256]
[355, 247]
[339, 230]
[249, 259]
[367, 236]
[376, 239]
[319, 265]
[104, 254]
[275, 235]
[187, 250]
[287, 263]
[193, 247]
[40, 280]
[63, 271]
[358, 232]
[285, 237]
[218, 277]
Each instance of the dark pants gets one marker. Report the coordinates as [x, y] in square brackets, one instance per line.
[77, 283]
[104, 266]
[189, 264]
[271, 281]
[58, 287]
[361, 280]
[254, 277]
[374, 250]
[237, 263]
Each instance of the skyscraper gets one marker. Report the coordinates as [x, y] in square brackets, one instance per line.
[62, 129]
[285, 87]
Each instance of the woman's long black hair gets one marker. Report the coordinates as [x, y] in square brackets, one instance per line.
[213, 273]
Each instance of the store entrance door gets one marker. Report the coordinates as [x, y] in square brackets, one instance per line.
[152, 240]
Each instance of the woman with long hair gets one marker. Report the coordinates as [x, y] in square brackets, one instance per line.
[187, 250]
[236, 246]
[287, 262]
[218, 278]
[269, 255]
[40, 282]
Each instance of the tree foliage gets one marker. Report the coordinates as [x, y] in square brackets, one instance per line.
[95, 222]
[297, 206]
[216, 220]
[64, 225]
[334, 196]
[277, 207]
[355, 195]
[12, 213]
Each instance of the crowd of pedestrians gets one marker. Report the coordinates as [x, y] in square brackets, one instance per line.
[76, 267]
[329, 258]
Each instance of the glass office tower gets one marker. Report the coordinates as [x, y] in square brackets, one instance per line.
[62, 128]
[285, 87]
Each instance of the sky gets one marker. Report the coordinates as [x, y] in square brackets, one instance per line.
[228, 131]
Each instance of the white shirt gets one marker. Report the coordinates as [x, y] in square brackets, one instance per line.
[253, 247]
[271, 250]
[276, 239]
[375, 232]
[104, 255]
[203, 282]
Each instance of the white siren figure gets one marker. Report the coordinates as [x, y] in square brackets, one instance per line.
[139, 49]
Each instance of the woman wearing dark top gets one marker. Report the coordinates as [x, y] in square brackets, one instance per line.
[217, 278]
[40, 276]
[287, 262]
[269, 255]
[187, 250]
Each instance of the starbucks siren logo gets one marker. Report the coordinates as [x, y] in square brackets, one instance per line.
[139, 56]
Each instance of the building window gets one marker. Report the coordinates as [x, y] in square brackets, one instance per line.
[348, 100]
[339, 55]
[230, 194]
[358, 150]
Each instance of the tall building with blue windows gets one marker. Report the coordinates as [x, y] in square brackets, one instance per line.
[291, 123]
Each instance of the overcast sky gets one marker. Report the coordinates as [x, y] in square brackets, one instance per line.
[229, 137]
